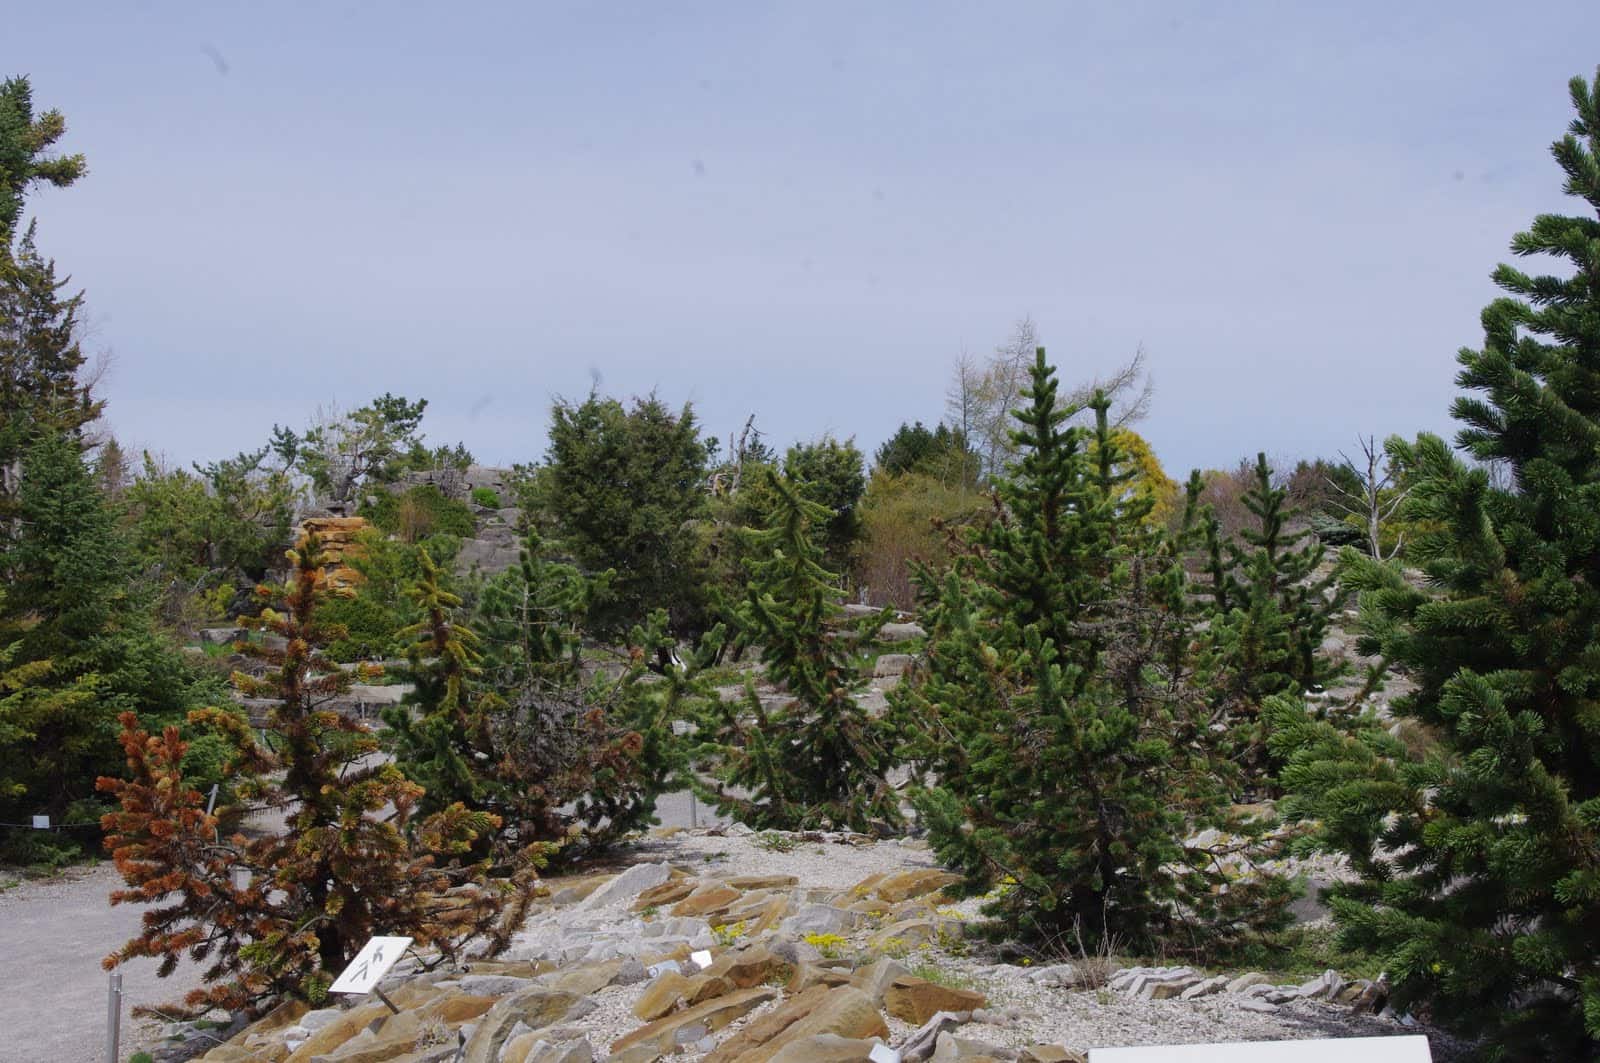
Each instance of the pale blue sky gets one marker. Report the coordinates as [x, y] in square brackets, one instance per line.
[804, 210]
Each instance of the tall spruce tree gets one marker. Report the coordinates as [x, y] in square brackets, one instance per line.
[40, 357]
[42, 392]
[1480, 860]
[80, 631]
[820, 758]
[1070, 754]
[25, 160]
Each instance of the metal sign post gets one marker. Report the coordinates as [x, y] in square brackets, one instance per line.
[114, 1017]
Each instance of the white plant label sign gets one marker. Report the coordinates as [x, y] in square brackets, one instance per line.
[1412, 1049]
[370, 965]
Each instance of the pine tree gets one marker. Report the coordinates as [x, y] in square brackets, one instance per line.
[833, 475]
[1270, 611]
[33, 706]
[1480, 880]
[435, 730]
[546, 721]
[649, 704]
[280, 913]
[1069, 751]
[820, 759]
[507, 719]
[40, 357]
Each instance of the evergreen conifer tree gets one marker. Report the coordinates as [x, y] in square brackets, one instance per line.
[40, 355]
[435, 731]
[544, 720]
[820, 758]
[507, 719]
[281, 912]
[625, 488]
[1270, 611]
[34, 709]
[1069, 751]
[1480, 859]
[25, 141]
[81, 633]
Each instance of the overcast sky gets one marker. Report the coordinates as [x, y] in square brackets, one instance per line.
[801, 210]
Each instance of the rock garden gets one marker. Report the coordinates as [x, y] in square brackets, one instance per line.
[736, 947]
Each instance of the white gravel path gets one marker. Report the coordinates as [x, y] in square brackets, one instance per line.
[54, 931]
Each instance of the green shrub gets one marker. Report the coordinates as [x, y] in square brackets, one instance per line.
[898, 515]
[486, 497]
[420, 512]
[369, 628]
[373, 616]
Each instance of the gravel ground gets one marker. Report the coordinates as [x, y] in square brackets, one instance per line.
[54, 932]
[1105, 1019]
[816, 865]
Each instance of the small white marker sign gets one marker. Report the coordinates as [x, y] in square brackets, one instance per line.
[701, 959]
[1412, 1049]
[884, 1054]
[370, 965]
[41, 822]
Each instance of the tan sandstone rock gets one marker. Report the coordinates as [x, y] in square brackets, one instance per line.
[845, 1011]
[337, 1032]
[916, 1000]
[825, 1048]
[662, 996]
[707, 901]
[534, 1007]
[904, 885]
[711, 1016]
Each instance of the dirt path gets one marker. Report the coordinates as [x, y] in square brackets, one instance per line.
[53, 934]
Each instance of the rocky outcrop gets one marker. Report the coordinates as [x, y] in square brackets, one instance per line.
[337, 537]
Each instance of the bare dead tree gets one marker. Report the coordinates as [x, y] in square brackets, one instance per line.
[1129, 387]
[739, 451]
[983, 393]
[1378, 497]
[961, 398]
[1000, 391]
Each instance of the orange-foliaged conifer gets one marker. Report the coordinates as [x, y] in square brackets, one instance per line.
[280, 912]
